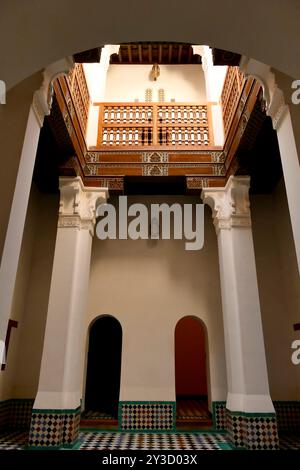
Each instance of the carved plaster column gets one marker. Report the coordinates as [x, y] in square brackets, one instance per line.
[57, 404]
[251, 420]
[23, 117]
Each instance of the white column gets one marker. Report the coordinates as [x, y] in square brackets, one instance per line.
[282, 123]
[39, 107]
[286, 120]
[63, 355]
[248, 389]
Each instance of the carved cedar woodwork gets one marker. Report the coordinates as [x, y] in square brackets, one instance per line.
[152, 52]
[168, 125]
[155, 139]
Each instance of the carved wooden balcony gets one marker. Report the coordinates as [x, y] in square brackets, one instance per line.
[154, 139]
[154, 126]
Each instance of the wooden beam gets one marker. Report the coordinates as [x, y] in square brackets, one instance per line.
[150, 53]
[160, 54]
[170, 53]
[129, 53]
[179, 53]
[140, 53]
[120, 54]
[190, 54]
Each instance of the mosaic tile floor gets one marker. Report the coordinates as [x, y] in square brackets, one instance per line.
[142, 441]
[15, 440]
[289, 442]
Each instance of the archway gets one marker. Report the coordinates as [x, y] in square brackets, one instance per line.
[103, 370]
[128, 24]
[191, 374]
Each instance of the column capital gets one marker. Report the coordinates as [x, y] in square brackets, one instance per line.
[78, 204]
[276, 105]
[230, 205]
[42, 98]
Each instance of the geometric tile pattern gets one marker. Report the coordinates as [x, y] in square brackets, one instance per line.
[252, 431]
[54, 428]
[20, 413]
[147, 416]
[219, 415]
[14, 440]
[288, 415]
[289, 442]
[148, 441]
[15, 413]
[4, 413]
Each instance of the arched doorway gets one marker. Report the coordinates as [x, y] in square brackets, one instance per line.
[103, 370]
[191, 374]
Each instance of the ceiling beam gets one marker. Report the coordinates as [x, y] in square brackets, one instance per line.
[140, 53]
[170, 53]
[179, 53]
[129, 53]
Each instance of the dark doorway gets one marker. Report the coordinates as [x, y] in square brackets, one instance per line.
[104, 369]
[190, 372]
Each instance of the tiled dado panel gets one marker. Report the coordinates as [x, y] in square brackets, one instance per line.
[54, 428]
[15, 413]
[147, 416]
[219, 415]
[288, 415]
[252, 431]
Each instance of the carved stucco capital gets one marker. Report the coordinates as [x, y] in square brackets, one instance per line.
[78, 204]
[42, 98]
[276, 105]
[230, 205]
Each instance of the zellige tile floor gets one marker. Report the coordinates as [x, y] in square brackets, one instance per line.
[95, 440]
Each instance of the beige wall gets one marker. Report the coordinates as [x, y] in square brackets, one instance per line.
[148, 286]
[181, 82]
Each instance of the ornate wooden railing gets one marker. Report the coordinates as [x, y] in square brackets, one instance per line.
[80, 94]
[232, 89]
[154, 125]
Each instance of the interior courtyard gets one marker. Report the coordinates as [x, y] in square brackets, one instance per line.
[130, 344]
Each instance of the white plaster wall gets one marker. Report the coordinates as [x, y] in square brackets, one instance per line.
[279, 290]
[148, 286]
[184, 83]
